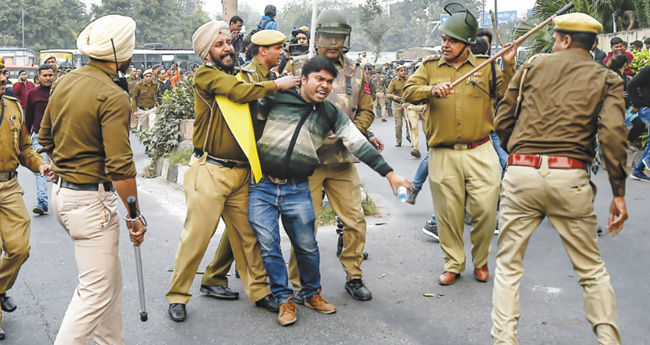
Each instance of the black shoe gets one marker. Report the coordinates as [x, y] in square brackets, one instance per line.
[600, 230]
[219, 291]
[7, 303]
[2, 334]
[237, 275]
[416, 153]
[268, 303]
[358, 290]
[298, 298]
[398, 145]
[412, 194]
[177, 312]
[384, 120]
[431, 229]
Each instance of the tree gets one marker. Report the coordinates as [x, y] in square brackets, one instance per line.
[373, 24]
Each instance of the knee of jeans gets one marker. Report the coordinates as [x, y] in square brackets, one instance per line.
[306, 244]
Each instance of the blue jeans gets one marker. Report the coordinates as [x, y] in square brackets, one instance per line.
[503, 155]
[41, 181]
[644, 115]
[292, 201]
[420, 176]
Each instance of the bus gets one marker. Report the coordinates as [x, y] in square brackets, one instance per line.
[142, 58]
[18, 56]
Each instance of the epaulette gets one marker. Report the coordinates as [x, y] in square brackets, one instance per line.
[11, 98]
[532, 58]
[482, 56]
[245, 70]
[430, 58]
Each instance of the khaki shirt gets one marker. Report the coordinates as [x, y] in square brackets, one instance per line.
[145, 96]
[132, 82]
[208, 83]
[567, 99]
[88, 137]
[15, 143]
[256, 72]
[395, 89]
[465, 116]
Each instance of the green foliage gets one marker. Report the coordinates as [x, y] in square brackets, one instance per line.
[373, 23]
[327, 216]
[641, 60]
[177, 104]
[181, 157]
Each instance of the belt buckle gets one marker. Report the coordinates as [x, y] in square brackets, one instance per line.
[460, 146]
[276, 180]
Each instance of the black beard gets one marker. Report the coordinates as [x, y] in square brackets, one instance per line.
[221, 66]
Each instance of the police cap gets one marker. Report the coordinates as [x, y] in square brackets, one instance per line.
[268, 38]
[577, 22]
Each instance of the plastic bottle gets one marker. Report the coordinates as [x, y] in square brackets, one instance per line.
[402, 193]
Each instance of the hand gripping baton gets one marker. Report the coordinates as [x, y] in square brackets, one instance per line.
[133, 213]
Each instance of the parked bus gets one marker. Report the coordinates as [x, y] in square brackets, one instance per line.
[18, 56]
[142, 58]
[32, 71]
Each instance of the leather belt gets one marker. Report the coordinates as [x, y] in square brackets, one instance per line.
[294, 180]
[554, 162]
[144, 108]
[466, 146]
[7, 176]
[108, 186]
[221, 162]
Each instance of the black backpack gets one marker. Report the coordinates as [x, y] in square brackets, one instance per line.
[260, 26]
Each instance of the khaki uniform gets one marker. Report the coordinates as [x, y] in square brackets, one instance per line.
[337, 173]
[558, 116]
[459, 177]
[216, 272]
[98, 154]
[213, 191]
[15, 148]
[394, 93]
[132, 83]
[380, 93]
[145, 103]
[415, 113]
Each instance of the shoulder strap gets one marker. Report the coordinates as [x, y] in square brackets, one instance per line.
[292, 143]
[493, 84]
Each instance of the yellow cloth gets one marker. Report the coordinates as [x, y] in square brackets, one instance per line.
[238, 118]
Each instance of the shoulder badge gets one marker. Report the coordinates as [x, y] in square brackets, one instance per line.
[431, 58]
[482, 56]
[11, 98]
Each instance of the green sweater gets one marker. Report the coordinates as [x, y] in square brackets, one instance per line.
[287, 110]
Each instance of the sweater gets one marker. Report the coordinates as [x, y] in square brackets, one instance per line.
[286, 111]
[37, 100]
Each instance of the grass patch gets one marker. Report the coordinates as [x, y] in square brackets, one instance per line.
[181, 157]
[327, 215]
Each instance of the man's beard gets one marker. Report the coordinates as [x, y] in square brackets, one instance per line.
[220, 65]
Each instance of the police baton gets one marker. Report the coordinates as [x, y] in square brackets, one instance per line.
[518, 41]
[133, 213]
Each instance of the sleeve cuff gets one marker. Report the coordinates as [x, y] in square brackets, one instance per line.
[384, 169]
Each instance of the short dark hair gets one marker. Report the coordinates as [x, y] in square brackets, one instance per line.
[584, 40]
[253, 49]
[236, 19]
[615, 40]
[480, 47]
[270, 11]
[44, 67]
[637, 44]
[617, 62]
[21, 71]
[485, 32]
[317, 64]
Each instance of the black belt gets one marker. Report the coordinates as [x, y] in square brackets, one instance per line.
[108, 186]
[292, 180]
[7, 176]
[144, 108]
[220, 162]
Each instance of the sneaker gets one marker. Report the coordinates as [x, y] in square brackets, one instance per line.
[416, 153]
[431, 229]
[646, 162]
[287, 314]
[358, 290]
[384, 120]
[468, 218]
[412, 194]
[298, 298]
[398, 145]
[40, 209]
[319, 304]
[640, 175]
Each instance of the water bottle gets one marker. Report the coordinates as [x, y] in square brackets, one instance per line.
[402, 193]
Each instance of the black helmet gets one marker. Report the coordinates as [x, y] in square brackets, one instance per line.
[270, 11]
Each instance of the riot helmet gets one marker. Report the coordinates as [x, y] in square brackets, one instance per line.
[333, 30]
[462, 25]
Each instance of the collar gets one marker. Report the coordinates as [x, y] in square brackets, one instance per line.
[471, 59]
[103, 67]
[259, 66]
[574, 54]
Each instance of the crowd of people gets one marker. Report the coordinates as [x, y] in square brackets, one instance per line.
[506, 148]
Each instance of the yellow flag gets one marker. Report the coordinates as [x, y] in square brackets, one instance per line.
[238, 118]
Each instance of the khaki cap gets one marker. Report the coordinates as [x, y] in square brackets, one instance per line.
[149, 71]
[577, 22]
[400, 67]
[268, 38]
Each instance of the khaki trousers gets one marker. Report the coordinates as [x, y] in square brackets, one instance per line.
[14, 233]
[414, 115]
[211, 192]
[457, 177]
[343, 188]
[398, 113]
[217, 271]
[134, 122]
[92, 221]
[566, 198]
[147, 118]
[380, 102]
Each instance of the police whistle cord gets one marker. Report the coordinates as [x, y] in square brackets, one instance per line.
[133, 214]
[518, 41]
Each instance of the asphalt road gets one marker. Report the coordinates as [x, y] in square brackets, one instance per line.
[402, 267]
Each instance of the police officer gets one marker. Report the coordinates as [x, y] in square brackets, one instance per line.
[381, 83]
[145, 100]
[463, 165]
[267, 49]
[133, 80]
[394, 93]
[216, 183]
[15, 148]
[548, 121]
[91, 164]
[337, 173]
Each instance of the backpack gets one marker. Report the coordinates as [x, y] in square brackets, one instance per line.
[260, 26]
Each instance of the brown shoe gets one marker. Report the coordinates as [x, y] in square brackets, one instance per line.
[318, 303]
[447, 278]
[287, 314]
[482, 273]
